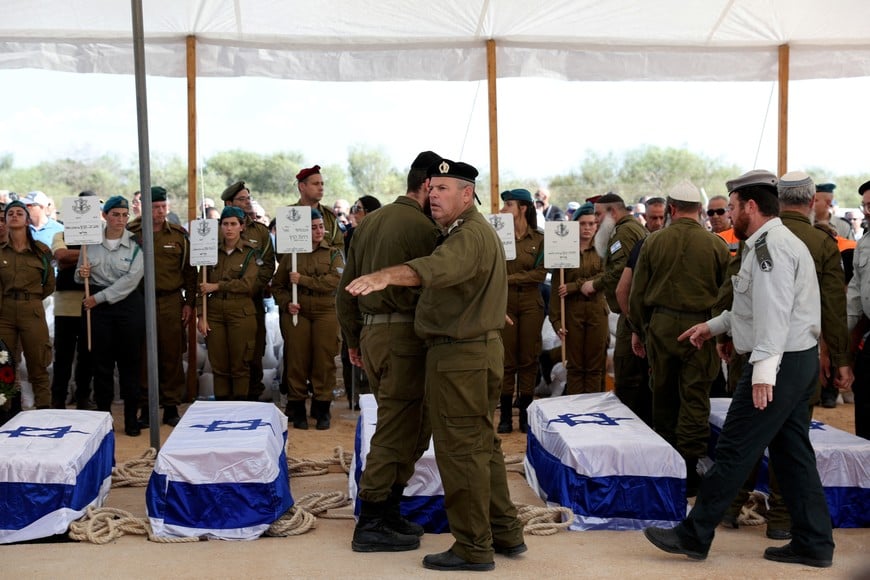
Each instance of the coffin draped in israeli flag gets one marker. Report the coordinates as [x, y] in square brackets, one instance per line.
[222, 473]
[590, 453]
[54, 464]
[423, 502]
[843, 461]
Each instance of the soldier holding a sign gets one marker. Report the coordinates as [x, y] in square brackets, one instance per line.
[311, 345]
[525, 309]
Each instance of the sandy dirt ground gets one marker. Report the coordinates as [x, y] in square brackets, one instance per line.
[324, 552]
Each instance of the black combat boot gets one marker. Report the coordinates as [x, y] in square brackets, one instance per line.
[372, 534]
[524, 402]
[295, 411]
[131, 421]
[506, 411]
[321, 414]
[393, 514]
[170, 415]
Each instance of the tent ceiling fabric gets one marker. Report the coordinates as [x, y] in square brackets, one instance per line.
[355, 40]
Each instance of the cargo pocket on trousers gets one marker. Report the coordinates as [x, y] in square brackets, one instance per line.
[461, 397]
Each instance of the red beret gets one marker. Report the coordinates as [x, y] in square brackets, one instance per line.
[593, 199]
[307, 172]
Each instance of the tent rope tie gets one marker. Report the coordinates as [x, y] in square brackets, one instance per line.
[104, 525]
[514, 463]
[544, 521]
[309, 467]
[302, 517]
[136, 472]
[752, 512]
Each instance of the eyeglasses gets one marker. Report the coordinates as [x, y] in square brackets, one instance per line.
[243, 198]
[712, 212]
[357, 208]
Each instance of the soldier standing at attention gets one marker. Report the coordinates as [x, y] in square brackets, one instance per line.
[459, 315]
[776, 318]
[257, 237]
[175, 281]
[618, 232]
[310, 184]
[525, 308]
[380, 336]
[675, 284]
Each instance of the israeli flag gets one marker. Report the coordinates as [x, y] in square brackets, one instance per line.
[590, 453]
[423, 502]
[222, 473]
[843, 461]
[54, 464]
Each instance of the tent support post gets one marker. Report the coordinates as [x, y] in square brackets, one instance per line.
[192, 382]
[493, 126]
[782, 157]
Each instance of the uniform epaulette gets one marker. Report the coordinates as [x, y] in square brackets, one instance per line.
[827, 229]
[178, 228]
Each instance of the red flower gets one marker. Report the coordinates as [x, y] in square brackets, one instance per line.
[7, 375]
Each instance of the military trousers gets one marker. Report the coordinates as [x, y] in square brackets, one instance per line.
[24, 320]
[463, 382]
[171, 344]
[310, 348]
[522, 340]
[256, 386]
[230, 343]
[70, 345]
[782, 427]
[394, 359]
[631, 374]
[861, 388]
[585, 344]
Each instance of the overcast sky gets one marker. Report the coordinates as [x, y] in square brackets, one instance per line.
[545, 127]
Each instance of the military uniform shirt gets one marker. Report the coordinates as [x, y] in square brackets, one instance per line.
[527, 269]
[172, 269]
[626, 234]
[776, 306]
[257, 237]
[333, 234]
[394, 234]
[464, 282]
[118, 270]
[25, 271]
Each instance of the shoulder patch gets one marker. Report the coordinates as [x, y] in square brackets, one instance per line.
[615, 247]
[762, 254]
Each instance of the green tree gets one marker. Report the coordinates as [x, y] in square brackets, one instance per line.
[371, 173]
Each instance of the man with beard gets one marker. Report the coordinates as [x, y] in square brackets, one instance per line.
[459, 316]
[675, 283]
[858, 308]
[776, 318]
[379, 329]
[618, 232]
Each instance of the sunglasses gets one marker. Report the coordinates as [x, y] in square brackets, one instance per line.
[712, 212]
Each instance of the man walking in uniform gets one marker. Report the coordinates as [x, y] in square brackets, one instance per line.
[858, 308]
[776, 318]
[259, 238]
[176, 295]
[618, 232]
[675, 284]
[379, 329]
[459, 314]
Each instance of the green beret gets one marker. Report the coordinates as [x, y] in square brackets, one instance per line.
[315, 214]
[825, 187]
[115, 201]
[16, 203]
[231, 211]
[587, 208]
[517, 195]
[157, 193]
[230, 192]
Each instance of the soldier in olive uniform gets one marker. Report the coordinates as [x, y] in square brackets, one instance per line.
[621, 231]
[379, 329]
[796, 197]
[675, 284]
[459, 315]
[310, 184]
[257, 236]
[229, 325]
[587, 333]
[26, 277]
[311, 345]
[525, 308]
[175, 282]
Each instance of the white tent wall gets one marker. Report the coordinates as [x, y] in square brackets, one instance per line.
[350, 40]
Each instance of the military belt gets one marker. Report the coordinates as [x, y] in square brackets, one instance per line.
[165, 293]
[228, 296]
[22, 295]
[310, 292]
[392, 317]
[490, 335]
[693, 315]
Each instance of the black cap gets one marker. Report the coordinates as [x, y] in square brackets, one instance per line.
[157, 193]
[425, 160]
[609, 197]
[864, 187]
[825, 187]
[457, 169]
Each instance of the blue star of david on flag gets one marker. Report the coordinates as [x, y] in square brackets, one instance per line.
[245, 425]
[571, 419]
[44, 432]
[817, 425]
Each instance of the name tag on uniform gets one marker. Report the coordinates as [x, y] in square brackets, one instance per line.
[615, 247]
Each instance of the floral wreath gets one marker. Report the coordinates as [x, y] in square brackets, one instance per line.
[8, 388]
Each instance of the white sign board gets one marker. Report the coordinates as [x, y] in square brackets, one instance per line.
[503, 224]
[204, 242]
[293, 230]
[81, 220]
[561, 245]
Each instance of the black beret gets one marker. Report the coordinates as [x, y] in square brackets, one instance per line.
[425, 160]
[230, 192]
[609, 197]
[864, 187]
[456, 169]
[825, 187]
[157, 193]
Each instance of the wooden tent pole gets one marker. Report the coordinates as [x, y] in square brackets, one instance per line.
[192, 380]
[493, 126]
[782, 158]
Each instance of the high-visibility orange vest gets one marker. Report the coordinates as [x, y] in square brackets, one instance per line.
[730, 239]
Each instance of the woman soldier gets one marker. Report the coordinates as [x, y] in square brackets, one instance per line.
[311, 345]
[117, 306]
[230, 326]
[586, 330]
[525, 308]
[26, 277]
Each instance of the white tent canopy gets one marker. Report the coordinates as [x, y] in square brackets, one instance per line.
[355, 40]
